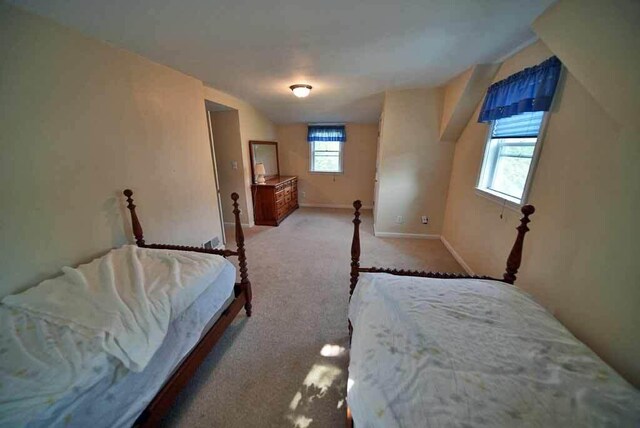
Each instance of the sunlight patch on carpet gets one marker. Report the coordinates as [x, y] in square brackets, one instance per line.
[329, 350]
[317, 383]
[321, 376]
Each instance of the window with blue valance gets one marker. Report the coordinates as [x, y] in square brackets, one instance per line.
[529, 90]
[326, 133]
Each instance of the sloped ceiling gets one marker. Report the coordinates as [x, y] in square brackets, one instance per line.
[600, 45]
[351, 51]
[462, 96]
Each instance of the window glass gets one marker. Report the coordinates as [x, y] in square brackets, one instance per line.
[326, 156]
[509, 154]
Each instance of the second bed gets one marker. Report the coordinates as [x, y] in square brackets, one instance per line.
[439, 349]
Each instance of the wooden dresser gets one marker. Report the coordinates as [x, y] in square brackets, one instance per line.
[274, 200]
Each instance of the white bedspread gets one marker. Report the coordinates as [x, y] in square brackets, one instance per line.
[126, 298]
[430, 352]
[51, 376]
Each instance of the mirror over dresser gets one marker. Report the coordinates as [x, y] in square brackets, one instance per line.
[274, 196]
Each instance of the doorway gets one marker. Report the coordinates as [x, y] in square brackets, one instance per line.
[224, 136]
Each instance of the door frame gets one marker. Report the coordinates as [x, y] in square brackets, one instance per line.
[376, 179]
[215, 175]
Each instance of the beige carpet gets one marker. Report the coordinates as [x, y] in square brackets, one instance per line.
[269, 371]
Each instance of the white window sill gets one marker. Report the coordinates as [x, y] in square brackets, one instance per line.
[499, 199]
[326, 172]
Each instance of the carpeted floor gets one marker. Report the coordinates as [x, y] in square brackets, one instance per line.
[275, 369]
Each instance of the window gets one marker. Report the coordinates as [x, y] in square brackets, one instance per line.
[326, 156]
[325, 148]
[510, 156]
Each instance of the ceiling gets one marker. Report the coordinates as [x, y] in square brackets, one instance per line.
[350, 51]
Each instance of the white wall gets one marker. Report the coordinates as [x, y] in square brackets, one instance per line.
[414, 165]
[580, 258]
[598, 41]
[462, 95]
[81, 121]
[452, 94]
[359, 161]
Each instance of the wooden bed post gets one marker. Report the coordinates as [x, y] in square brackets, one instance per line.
[135, 223]
[515, 257]
[151, 416]
[355, 246]
[242, 257]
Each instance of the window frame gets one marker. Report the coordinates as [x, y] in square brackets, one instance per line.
[501, 198]
[312, 152]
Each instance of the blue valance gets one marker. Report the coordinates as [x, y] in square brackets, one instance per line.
[326, 133]
[529, 90]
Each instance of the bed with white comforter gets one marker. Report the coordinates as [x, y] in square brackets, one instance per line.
[462, 353]
[93, 346]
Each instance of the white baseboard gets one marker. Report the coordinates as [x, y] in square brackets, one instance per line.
[456, 256]
[404, 235]
[364, 207]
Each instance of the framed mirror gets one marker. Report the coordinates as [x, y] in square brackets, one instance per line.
[264, 160]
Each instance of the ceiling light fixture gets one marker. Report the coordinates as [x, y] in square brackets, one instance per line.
[301, 90]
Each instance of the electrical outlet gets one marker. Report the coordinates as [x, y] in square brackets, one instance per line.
[304, 194]
[399, 219]
[234, 164]
[425, 219]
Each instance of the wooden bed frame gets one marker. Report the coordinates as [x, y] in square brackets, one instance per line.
[513, 264]
[151, 416]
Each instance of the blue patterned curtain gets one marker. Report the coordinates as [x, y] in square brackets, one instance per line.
[326, 133]
[529, 90]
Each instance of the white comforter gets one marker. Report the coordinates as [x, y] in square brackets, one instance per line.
[430, 352]
[51, 376]
[126, 298]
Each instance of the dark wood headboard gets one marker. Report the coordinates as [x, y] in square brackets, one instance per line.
[162, 401]
[513, 262]
[240, 252]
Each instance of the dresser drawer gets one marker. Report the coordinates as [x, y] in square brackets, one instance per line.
[274, 202]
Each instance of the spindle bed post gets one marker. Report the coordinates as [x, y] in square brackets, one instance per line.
[163, 399]
[515, 257]
[242, 258]
[135, 223]
[513, 262]
[355, 246]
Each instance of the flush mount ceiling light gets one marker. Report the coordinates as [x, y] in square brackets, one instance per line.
[301, 90]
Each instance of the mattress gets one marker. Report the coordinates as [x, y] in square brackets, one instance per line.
[434, 352]
[114, 396]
